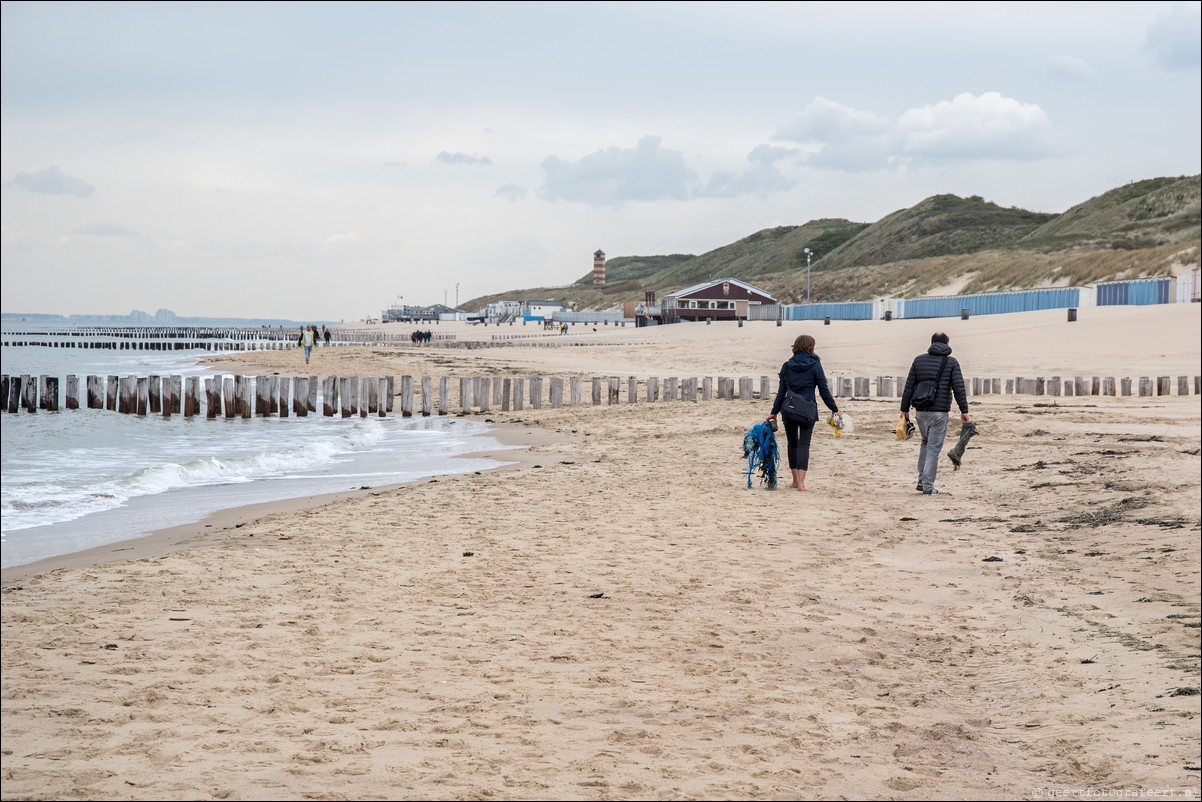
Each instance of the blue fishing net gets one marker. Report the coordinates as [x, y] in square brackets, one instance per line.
[761, 453]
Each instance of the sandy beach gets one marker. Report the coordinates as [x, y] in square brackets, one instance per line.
[619, 617]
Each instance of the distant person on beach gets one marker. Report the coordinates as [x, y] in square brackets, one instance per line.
[798, 379]
[325, 333]
[941, 370]
[308, 337]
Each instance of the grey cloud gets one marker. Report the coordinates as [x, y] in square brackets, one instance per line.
[761, 178]
[52, 181]
[512, 192]
[613, 176]
[824, 120]
[104, 230]
[1174, 41]
[462, 158]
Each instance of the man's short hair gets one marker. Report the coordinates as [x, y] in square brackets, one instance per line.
[939, 337]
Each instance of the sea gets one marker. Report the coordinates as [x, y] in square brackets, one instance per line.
[71, 480]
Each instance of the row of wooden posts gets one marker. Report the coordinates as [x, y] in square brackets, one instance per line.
[247, 396]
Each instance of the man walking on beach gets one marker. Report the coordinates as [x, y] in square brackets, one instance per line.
[307, 340]
[934, 379]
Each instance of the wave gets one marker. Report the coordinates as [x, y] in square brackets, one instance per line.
[31, 504]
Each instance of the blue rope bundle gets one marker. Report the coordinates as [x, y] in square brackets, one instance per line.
[759, 447]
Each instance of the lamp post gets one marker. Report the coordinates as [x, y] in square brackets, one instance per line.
[456, 296]
[808, 254]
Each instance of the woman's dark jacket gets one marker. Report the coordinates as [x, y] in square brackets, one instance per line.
[802, 374]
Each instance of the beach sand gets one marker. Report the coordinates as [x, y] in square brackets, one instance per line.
[621, 617]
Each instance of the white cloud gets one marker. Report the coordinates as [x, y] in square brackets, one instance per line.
[1070, 67]
[462, 158]
[613, 176]
[1175, 40]
[52, 181]
[988, 126]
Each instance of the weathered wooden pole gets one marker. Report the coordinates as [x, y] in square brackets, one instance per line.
[1145, 385]
[389, 391]
[95, 392]
[244, 395]
[596, 391]
[485, 393]
[191, 396]
[49, 401]
[262, 396]
[71, 395]
[536, 392]
[154, 394]
[142, 383]
[344, 396]
[406, 396]
[556, 392]
[284, 399]
[652, 389]
[366, 397]
[497, 389]
[212, 397]
[519, 392]
[229, 394]
[329, 396]
[172, 392]
[354, 401]
[1162, 385]
[1108, 387]
[4, 385]
[745, 388]
[382, 404]
[273, 394]
[427, 400]
[311, 396]
[1125, 385]
[444, 395]
[614, 388]
[575, 388]
[14, 393]
[506, 387]
[465, 396]
[707, 388]
[110, 393]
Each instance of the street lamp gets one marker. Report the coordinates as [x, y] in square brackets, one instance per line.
[456, 296]
[808, 254]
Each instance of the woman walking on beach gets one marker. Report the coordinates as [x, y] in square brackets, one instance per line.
[795, 397]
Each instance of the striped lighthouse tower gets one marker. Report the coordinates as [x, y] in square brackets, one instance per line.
[599, 267]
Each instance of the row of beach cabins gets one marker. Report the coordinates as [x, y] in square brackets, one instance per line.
[263, 396]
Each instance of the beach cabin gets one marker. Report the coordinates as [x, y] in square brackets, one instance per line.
[721, 299]
[540, 311]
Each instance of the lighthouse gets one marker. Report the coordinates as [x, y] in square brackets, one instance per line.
[599, 267]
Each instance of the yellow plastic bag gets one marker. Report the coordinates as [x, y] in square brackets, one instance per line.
[901, 428]
[840, 423]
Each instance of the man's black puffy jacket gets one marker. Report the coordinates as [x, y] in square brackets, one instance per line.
[926, 366]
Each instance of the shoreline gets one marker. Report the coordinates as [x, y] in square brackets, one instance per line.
[210, 530]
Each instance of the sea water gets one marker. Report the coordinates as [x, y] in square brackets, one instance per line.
[74, 479]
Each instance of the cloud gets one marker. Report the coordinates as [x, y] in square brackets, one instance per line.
[511, 192]
[1070, 67]
[349, 237]
[988, 126]
[462, 158]
[52, 181]
[762, 178]
[104, 230]
[824, 120]
[613, 176]
[1174, 41]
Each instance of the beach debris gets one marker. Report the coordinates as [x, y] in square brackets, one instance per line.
[1185, 692]
[992, 560]
[600, 595]
[967, 430]
[469, 554]
[513, 637]
[365, 487]
[109, 646]
[761, 452]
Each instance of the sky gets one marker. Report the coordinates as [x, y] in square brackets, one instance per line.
[326, 160]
